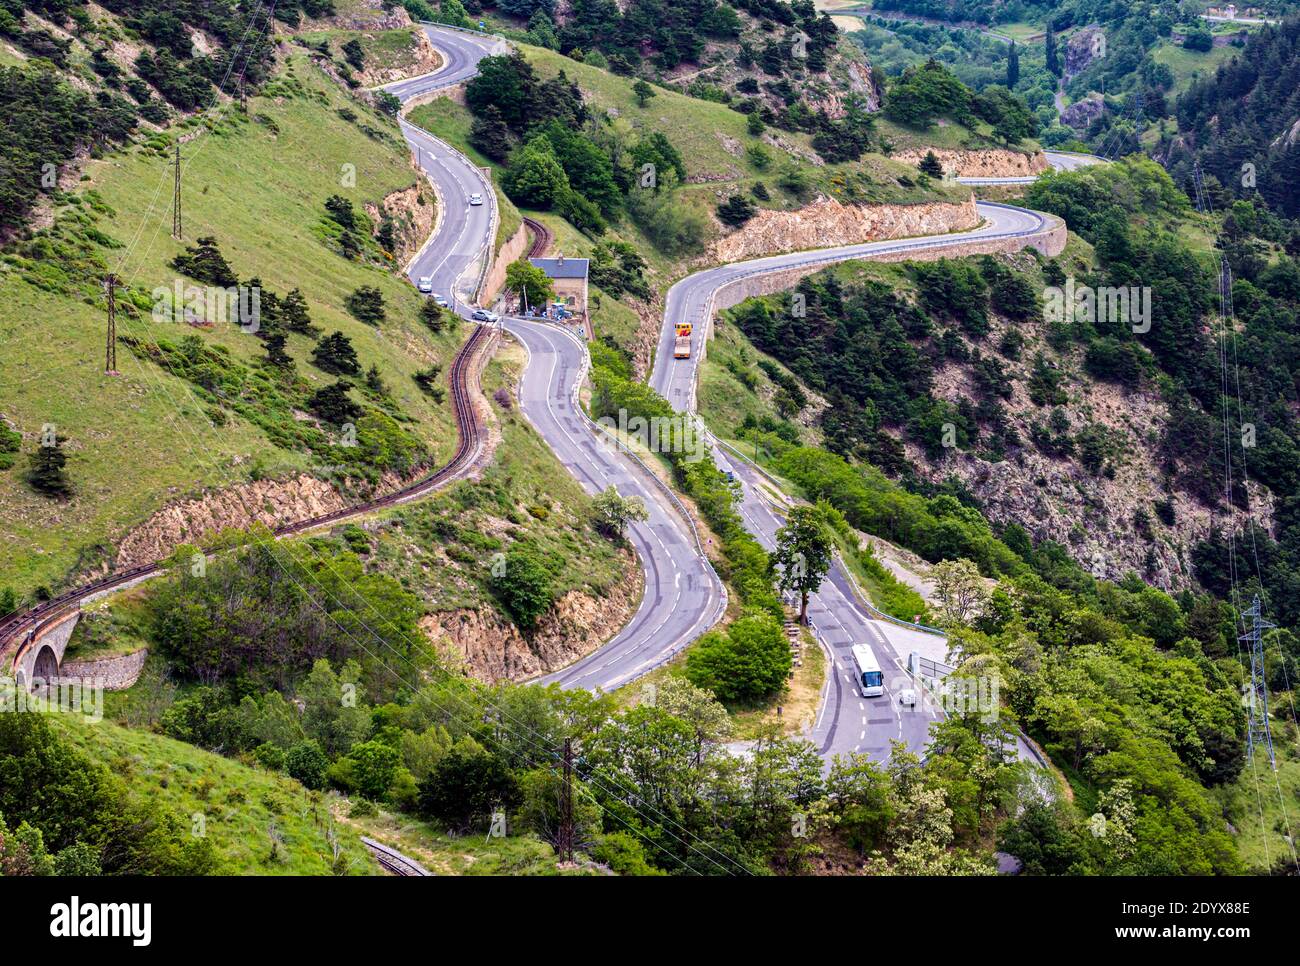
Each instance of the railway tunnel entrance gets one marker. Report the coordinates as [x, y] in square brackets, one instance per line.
[45, 669]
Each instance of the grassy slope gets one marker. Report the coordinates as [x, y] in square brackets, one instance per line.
[140, 440]
[240, 805]
[698, 128]
[1255, 803]
[1186, 64]
[539, 503]
[441, 548]
[384, 49]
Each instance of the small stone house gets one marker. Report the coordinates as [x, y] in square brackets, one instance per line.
[569, 277]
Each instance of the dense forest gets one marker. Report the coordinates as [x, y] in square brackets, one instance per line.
[1240, 122]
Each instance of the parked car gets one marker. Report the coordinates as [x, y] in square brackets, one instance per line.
[425, 284]
[483, 315]
[440, 299]
[476, 199]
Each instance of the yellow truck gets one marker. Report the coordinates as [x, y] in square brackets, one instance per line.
[682, 345]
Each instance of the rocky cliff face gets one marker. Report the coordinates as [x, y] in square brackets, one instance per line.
[272, 502]
[990, 163]
[1106, 519]
[419, 58]
[363, 17]
[413, 212]
[1084, 47]
[492, 649]
[1081, 114]
[826, 223]
[849, 77]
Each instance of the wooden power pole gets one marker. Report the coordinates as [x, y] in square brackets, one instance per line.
[176, 196]
[110, 345]
[566, 805]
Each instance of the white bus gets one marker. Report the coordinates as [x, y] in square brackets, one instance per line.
[871, 682]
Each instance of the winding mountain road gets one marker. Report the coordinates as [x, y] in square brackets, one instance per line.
[464, 231]
[847, 721]
[683, 596]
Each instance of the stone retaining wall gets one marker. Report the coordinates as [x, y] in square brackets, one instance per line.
[1050, 241]
[513, 249]
[110, 673]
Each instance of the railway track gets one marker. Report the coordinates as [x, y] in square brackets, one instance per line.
[392, 860]
[542, 238]
[20, 627]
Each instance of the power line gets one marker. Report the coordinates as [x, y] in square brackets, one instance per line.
[565, 843]
[1256, 697]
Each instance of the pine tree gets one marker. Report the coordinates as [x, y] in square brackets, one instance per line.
[432, 315]
[47, 474]
[1013, 67]
[333, 404]
[294, 312]
[1053, 59]
[275, 353]
[205, 263]
[491, 134]
[930, 165]
[334, 353]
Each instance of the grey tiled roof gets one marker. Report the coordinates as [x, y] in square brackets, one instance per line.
[554, 268]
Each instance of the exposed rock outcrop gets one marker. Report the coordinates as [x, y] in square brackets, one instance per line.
[272, 502]
[413, 213]
[986, 163]
[1084, 47]
[493, 649]
[363, 18]
[1105, 519]
[1081, 114]
[420, 58]
[826, 223]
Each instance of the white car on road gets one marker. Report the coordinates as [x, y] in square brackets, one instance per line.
[476, 199]
[425, 284]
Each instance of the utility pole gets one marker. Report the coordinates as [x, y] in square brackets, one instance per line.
[176, 196]
[110, 347]
[565, 843]
[1258, 734]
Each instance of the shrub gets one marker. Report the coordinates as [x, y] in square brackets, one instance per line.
[523, 587]
[749, 661]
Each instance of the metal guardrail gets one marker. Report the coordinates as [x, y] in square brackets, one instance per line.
[464, 30]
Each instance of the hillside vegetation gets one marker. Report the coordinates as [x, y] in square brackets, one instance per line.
[207, 408]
